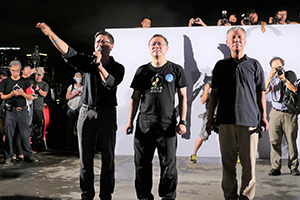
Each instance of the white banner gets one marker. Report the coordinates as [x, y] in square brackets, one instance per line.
[197, 49]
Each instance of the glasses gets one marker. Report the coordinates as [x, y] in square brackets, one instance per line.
[103, 42]
[156, 43]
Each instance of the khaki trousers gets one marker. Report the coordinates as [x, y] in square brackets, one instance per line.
[238, 140]
[282, 123]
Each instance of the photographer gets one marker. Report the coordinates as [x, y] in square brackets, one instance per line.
[227, 22]
[280, 18]
[251, 18]
[282, 121]
[12, 91]
[196, 21]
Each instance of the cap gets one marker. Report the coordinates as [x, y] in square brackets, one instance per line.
[40, 71]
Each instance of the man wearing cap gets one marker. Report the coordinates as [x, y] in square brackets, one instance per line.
[41, 89]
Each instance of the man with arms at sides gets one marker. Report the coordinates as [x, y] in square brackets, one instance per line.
[238, 88]
[97, 123]
[155, 85]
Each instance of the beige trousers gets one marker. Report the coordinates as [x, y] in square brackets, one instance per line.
[238, 140]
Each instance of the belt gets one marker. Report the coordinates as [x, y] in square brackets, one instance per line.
[20, 108]
[98, 108]
[285, 111]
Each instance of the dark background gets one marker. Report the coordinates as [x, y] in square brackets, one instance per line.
[76, 21]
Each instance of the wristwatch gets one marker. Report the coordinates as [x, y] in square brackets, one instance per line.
[284, 81]
[183, 122]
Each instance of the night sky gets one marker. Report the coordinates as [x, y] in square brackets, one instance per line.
[76, 21]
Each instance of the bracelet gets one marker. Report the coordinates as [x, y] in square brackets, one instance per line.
[55, 40]
[183, 122]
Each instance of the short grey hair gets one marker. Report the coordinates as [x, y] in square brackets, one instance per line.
[15, 63]
[236, 28]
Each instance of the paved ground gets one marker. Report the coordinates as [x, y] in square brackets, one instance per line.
[55, 177]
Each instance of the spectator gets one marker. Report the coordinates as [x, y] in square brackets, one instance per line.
[3, 75]
[203, 134]
[196, 21]
[146, 22]
[97, 120]
[73, 96]
[12, 91]
[41, 89]
[282, 121]
[154, 86]
[238, 87]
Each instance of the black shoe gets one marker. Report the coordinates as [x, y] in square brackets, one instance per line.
[31, 160]
[295, 172]
[274, 172]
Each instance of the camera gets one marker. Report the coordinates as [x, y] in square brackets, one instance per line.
[196, 20]
[16, 87]
[279, 70]
[275, 19]
[246, 19]
[224, 17]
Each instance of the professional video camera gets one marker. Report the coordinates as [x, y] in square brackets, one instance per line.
[246, 19]
[279, 70]
[224, 17]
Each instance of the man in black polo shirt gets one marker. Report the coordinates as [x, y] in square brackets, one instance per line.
[155, 85]
[238, 88]
[12, 90]
[97, 117]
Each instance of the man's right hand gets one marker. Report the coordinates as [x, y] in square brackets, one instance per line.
[44, 28]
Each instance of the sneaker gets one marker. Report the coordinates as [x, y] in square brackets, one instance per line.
[295, 172]
[193, 158]
[274, 172]
[31, 160]
[8, 162]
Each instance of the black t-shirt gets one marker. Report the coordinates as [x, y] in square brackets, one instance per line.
[158, 87]
[9, 85]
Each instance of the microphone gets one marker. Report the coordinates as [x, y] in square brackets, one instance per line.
[94, 57]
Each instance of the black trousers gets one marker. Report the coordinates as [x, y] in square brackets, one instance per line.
[20, 119]
[144, 147]
[97, 130]
[38, 122]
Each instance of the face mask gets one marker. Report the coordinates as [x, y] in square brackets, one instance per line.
[78, 79]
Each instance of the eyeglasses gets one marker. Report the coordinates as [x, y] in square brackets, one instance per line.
[156, 43]
[103, 42]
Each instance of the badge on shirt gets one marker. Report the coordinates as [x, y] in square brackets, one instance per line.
[156, 82]
[169, 78]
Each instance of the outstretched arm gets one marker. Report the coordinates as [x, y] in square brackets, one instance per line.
[57, 42]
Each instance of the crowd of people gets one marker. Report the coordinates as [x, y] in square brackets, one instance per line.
[22, 103]
[250, 18]
[235, 108]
